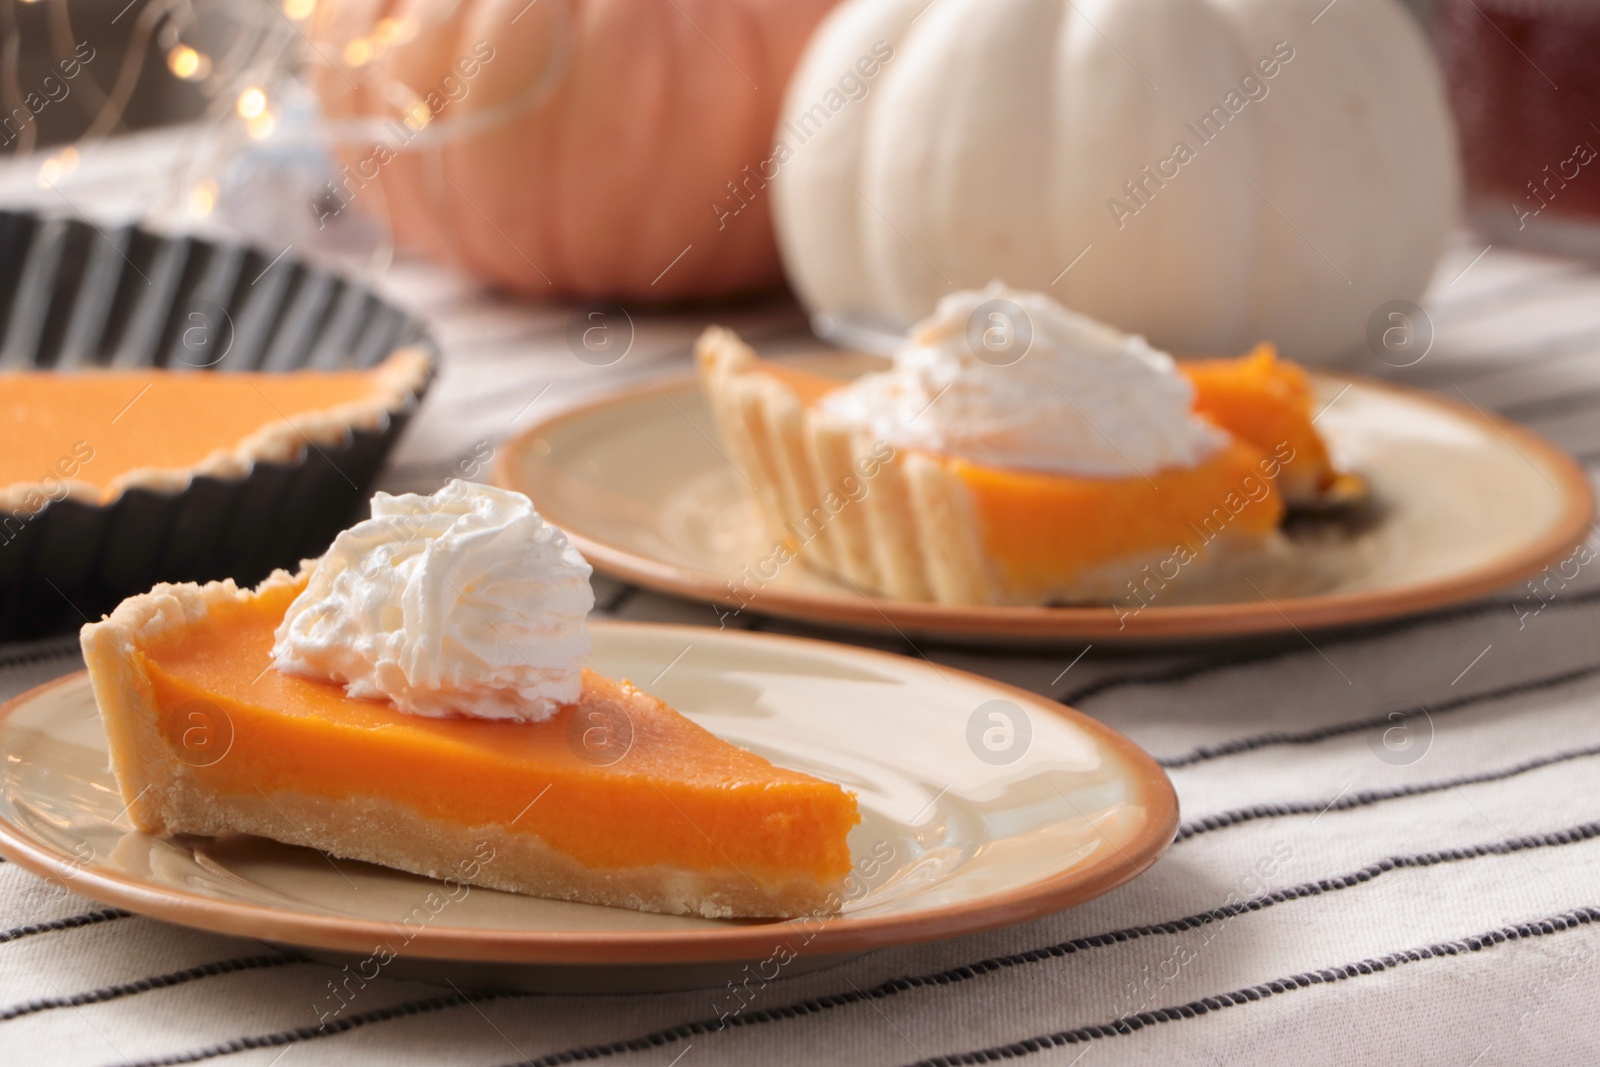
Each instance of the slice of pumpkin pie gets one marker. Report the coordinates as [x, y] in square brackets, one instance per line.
[420, 691]
[1018, 453]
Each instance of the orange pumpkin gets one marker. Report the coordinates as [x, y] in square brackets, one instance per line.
[567, 147]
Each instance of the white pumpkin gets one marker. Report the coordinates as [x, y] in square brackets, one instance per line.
[1208, 173]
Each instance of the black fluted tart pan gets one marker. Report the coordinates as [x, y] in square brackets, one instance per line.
[75, 297]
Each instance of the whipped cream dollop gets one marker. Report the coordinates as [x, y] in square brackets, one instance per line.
[465, 602]
[1013, 379]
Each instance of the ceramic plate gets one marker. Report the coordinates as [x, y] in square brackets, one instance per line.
[1465, 504]
[982, 805]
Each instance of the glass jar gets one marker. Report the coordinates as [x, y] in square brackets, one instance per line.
[1524, 80]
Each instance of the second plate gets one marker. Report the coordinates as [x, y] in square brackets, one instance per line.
[1468, 504]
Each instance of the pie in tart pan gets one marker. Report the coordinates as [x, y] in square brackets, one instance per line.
[181, 409]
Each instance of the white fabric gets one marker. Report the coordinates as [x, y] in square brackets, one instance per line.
[1514, 750]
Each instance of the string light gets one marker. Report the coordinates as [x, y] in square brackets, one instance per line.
[395, 30]
[357, 52]
[202, 198]
[252, 103]
[243, 66]
[417, 115]
[58, 166]
[188, 64]
[261, 126]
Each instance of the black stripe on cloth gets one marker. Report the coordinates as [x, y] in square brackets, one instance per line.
[1183, 672]
[71, 922]
[341, 1025]
[1555, 924]
[1323, 733]
[619, 598]
[41, 652]
[1550, 407]
[1369, 797]
[145, 985]
[965, 972]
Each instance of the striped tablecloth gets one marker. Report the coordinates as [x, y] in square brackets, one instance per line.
[1331, 898]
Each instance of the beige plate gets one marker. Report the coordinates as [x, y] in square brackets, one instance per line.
[982, 805]
[1467, 504]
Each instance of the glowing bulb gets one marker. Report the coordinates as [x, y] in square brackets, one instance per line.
[57, 167]
[261, 126]
[357, 52]
[395, 31]
[188, 64]
[299, 9]
[202, 198]
[418, 115]
[252, 103]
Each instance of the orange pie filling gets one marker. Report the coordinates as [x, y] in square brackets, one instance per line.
[676, 796]
[1261, 399]
[93, 430]
[1047, 529]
